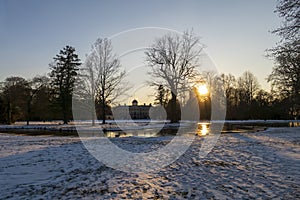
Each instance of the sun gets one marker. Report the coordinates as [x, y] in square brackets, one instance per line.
[202, 89]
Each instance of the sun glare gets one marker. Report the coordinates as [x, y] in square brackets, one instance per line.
[202, 89]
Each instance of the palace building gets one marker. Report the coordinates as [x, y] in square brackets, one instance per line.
[134, 111]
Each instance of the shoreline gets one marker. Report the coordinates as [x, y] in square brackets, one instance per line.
[232, 126]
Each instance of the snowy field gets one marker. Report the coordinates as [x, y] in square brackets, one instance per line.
[263, 165]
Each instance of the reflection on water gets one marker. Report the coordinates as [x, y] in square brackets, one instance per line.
[131, 133]
[294, 124]
[203, 129]
[143, 133]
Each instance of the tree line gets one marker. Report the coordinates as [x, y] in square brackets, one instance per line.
[49, 97]
[285, 77]
[173, 63]
[42, 97]
[245, 99]
[46, 98]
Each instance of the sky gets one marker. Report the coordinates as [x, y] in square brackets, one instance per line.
[236, 33]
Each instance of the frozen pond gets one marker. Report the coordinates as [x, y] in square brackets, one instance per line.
[203, 129]
[142, 128]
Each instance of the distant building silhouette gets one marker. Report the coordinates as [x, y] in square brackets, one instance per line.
[134, 111]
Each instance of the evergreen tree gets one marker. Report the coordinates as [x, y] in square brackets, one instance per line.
[161, 97]
[63, 75]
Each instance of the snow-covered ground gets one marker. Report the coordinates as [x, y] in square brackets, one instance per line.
[263, 165]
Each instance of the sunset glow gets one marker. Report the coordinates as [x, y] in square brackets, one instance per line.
[202, 89]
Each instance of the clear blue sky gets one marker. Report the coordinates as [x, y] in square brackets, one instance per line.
[236, 32]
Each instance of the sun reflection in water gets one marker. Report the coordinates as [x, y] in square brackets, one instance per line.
[203, 129]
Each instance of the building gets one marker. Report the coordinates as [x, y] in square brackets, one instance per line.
[134, 111]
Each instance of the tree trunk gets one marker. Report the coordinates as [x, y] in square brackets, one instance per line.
[103, 111]
[29, 110]
[93, 119]
[65, 118]
[64, 103]
[9, 121]
[93, 115]
[28, 113]
[174, 112]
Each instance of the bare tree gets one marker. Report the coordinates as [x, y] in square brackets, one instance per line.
[102, 76]
[15, 92]
[230, 89]
[35, 85]
[173, 60]
[249, 84]
[41, 105]
[229, 83]
[289, 10]
[285, 76]
[215, 99]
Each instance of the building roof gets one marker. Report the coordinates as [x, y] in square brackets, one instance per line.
[134, 101]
